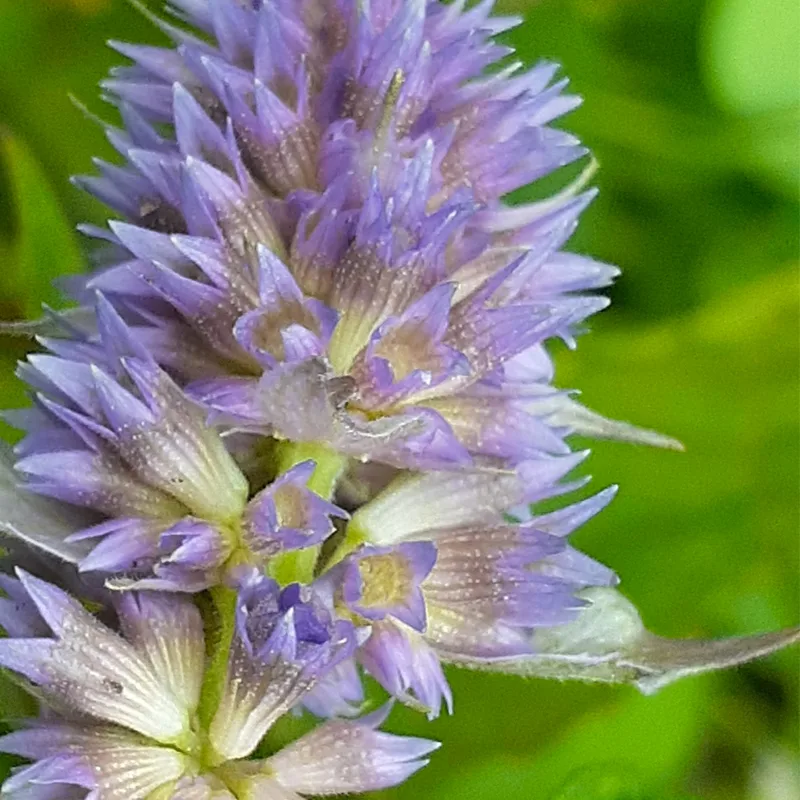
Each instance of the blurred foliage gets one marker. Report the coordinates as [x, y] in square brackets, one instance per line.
[44, 247]
[692, 110]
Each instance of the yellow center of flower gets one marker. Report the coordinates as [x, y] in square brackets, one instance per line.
[387, 580]
[290, 505]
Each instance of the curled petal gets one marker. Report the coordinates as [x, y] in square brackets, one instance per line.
[406, 354]
[403, 662]
[270, 332]
[287, 515]
[386, 581]
[124, 544]
[306, 402]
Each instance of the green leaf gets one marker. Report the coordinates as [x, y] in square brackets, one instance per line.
[12, 391]
[610, 781]
[775, 148]
[15, 702]
[750, 58]
[751, 49]
[45, 246]
[651, 738]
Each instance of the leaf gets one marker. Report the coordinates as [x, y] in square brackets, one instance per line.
[36, 521]
[87, 6]
[775, 147]
[45, 247]
[15, 701]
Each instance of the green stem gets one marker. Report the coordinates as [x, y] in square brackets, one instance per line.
[299, 565]
[329, 464]
[220, 619]
[354, 536]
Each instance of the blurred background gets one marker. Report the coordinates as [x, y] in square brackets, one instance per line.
[692, 110]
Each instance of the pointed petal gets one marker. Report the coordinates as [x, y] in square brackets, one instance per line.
[343, 757]
[113, 762]
[168, 632]
[91, 669]
[585, 422]
[412, 505]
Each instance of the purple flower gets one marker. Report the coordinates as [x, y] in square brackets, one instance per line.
[112, 432]
[403, 662]
[458, 582]
[380, 582]
[340, 693]
[287, 516]
[285, 642]
[128, 710]
[316, 295]
[321, 250]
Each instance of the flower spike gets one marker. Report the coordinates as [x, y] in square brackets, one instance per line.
[302, 424]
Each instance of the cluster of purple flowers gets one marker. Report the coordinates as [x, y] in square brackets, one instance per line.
[295, 428]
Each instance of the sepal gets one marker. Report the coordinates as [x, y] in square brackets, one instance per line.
[608, 643]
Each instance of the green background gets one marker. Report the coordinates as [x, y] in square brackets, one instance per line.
[691, 108]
